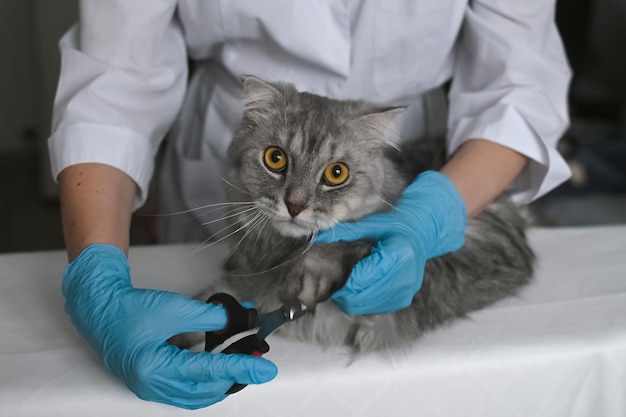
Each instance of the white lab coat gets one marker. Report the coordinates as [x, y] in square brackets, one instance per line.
[124, 79]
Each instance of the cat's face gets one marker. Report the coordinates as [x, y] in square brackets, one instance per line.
[305, 161]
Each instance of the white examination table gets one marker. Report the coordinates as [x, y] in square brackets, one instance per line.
[559, 349]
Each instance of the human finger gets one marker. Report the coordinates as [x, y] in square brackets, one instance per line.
[244, 369]
[372, 227]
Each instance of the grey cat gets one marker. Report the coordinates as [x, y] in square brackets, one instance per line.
[300, 163]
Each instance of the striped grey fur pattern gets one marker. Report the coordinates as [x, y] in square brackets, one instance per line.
[273, 254]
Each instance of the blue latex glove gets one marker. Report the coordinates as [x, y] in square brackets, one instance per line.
[429, 220]
[128, 327]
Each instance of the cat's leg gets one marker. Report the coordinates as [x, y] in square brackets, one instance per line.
[329, 326]
[327, 266]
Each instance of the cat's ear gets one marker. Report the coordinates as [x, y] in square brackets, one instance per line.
[259, 95]
[379, 123]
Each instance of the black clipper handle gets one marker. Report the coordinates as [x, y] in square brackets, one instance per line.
[249, 345]
[240, 319]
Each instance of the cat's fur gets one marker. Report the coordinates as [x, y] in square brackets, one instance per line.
[273, 258]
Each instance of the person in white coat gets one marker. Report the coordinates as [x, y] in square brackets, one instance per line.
[126, 81]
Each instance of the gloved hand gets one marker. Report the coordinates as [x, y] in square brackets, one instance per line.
[429, 220]
[128, 327]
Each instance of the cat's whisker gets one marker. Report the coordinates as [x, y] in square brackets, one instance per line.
[204, 244]
[267, 220]
[245, 218]
[285, 107]
[387, 203]
[231, 215]
[210, 214]
[394, 145]
[208, 206]
[234, 186]
[335, 221]
[310, 242]
[258, 220]
[198, 248]
[261, 221]
[227, 210]
[251, 226]
[275, 267]
[248, 223]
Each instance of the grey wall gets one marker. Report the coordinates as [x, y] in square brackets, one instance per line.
[17, 92]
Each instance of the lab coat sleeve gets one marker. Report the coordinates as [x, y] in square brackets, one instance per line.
[123, 78]
[510, 86]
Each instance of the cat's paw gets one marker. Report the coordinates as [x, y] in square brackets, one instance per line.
[327, 267]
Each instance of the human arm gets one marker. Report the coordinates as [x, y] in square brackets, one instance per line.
[428, 221]
[481, 170]
[129, 327]
[120, 89]
[96, 206]
[507, 111]
[509, 86]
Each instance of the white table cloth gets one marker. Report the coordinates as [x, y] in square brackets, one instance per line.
[559, 349]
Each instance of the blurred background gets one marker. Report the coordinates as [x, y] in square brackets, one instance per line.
[594, 32]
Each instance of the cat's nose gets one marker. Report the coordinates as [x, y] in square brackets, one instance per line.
[294, 208]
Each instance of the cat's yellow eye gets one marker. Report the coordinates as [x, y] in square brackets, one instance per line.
[336, 173]
[275, 159]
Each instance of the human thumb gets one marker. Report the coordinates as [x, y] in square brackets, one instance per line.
[371, 227]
